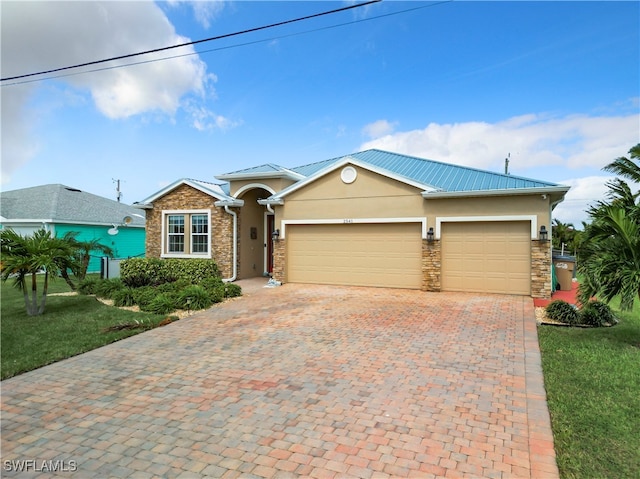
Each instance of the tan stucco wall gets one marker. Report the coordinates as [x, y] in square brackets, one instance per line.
[373, 195]
[370, 195]
[185, 197]
[276, 184]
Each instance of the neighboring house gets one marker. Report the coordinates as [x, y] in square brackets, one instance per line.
[372, 218]
[61, 209]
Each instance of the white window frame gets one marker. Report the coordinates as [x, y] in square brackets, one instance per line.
[187, 231]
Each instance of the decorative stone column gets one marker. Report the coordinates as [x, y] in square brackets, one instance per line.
[279, 260]
[431, 265]
[541, 269]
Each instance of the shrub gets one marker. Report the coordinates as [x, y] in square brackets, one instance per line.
[194, 297]
[563, 312]
[124, 297]
[193, 270]
[87, 286]
[232, 290]
[105, 288]
[597, 313]
[173, 286]
[163, 303]
[138, 272]
[143, 296]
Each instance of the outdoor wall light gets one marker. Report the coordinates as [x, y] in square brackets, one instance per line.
[544, 234]
[275, 235]
[430, 235]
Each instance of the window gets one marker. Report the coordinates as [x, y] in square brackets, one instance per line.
[186, 233]
[199, 233]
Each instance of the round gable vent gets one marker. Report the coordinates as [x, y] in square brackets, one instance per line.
[348, 174]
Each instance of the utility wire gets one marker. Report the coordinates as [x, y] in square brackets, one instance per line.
[227, 35]
[254, 42]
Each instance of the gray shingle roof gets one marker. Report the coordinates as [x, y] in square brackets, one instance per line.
[62, 204]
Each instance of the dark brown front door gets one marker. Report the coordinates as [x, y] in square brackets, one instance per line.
[269, 242]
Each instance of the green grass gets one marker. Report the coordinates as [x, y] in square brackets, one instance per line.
[70, 325]
[592, 377]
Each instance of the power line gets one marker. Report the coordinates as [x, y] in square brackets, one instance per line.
[227, 35]
[238, 45]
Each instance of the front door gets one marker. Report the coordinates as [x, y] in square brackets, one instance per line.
[269, 243]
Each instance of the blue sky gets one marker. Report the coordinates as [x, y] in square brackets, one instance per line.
[554, 84]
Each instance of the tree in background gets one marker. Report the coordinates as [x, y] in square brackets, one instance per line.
[23, 257]
[609, 254]
[565, 233]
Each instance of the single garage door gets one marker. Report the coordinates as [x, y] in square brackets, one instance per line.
[387, 255]
[487, 257]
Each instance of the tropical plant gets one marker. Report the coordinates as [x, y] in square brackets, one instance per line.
[563, 233]
[597, 313]
[81, 257]
[194, 297]
[562, 312]
[28, 256]
[609, 255]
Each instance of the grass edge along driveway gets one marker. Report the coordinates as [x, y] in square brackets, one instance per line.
[592, 378]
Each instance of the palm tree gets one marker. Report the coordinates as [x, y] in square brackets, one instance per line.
[609, 258]
[609, 255]
[81, 257]
[626, 167]
[563, 233]
[24, 256]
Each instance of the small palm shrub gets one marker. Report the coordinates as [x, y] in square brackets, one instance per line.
[143, 296]
[163, 303]
[173, 286]
[194, 297]
[124, 297]
[232, 290]
[105, 288]
[562, 312]
[598, 314]
[87, 286]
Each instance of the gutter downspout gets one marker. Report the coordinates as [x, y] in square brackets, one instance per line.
[235, 246]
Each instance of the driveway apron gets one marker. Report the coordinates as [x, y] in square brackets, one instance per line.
[296, 381]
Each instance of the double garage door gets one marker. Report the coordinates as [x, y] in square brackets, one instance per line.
[387, 254]
[488, 257]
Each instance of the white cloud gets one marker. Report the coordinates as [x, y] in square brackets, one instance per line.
[18, 147]
[584, 192]
[378, 128]
[574, 141]
[204, 11]
[204, 119]
[39, 36]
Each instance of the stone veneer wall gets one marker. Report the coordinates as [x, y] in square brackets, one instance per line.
[540, 269]
[187, 198]
[278, 260]
[431, 265]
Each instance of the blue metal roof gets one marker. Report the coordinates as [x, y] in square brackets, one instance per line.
[266, 168]
[438, 175]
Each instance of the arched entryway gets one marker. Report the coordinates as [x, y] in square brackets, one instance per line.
[255, 225]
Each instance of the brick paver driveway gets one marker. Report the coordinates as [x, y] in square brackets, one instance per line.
[293, 381]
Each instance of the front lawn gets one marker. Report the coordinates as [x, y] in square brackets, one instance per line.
[70, 325]
[592, 377]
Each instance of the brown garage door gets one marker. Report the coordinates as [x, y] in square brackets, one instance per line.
[487, 257]
[387, 255]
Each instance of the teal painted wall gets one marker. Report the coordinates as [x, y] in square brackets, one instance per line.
[127, 243]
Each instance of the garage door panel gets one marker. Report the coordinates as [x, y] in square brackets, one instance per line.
[388, 255]
[490, 257]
